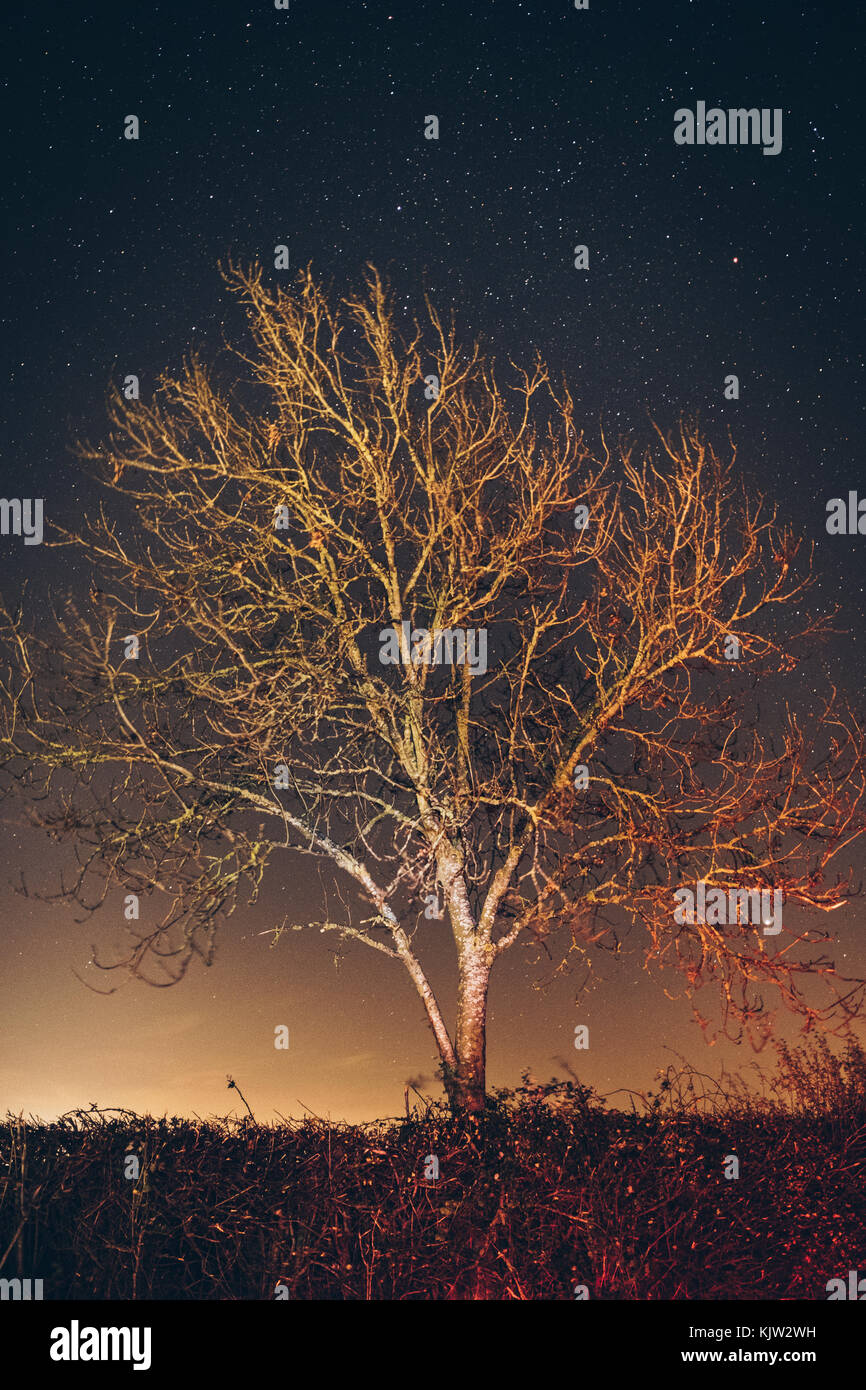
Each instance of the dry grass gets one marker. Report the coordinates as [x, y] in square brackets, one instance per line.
[546, 1191]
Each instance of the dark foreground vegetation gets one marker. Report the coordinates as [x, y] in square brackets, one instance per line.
[548, 1191]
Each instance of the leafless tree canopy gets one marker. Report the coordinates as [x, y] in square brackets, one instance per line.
[267, 527]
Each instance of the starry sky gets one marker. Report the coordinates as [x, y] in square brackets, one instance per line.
[305, 126]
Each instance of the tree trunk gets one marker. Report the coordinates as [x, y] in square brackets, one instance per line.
[466, 1084]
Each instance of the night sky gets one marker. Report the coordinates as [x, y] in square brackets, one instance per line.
[261, 126]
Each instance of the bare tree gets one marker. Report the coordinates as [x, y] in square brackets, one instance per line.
[358, 490]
